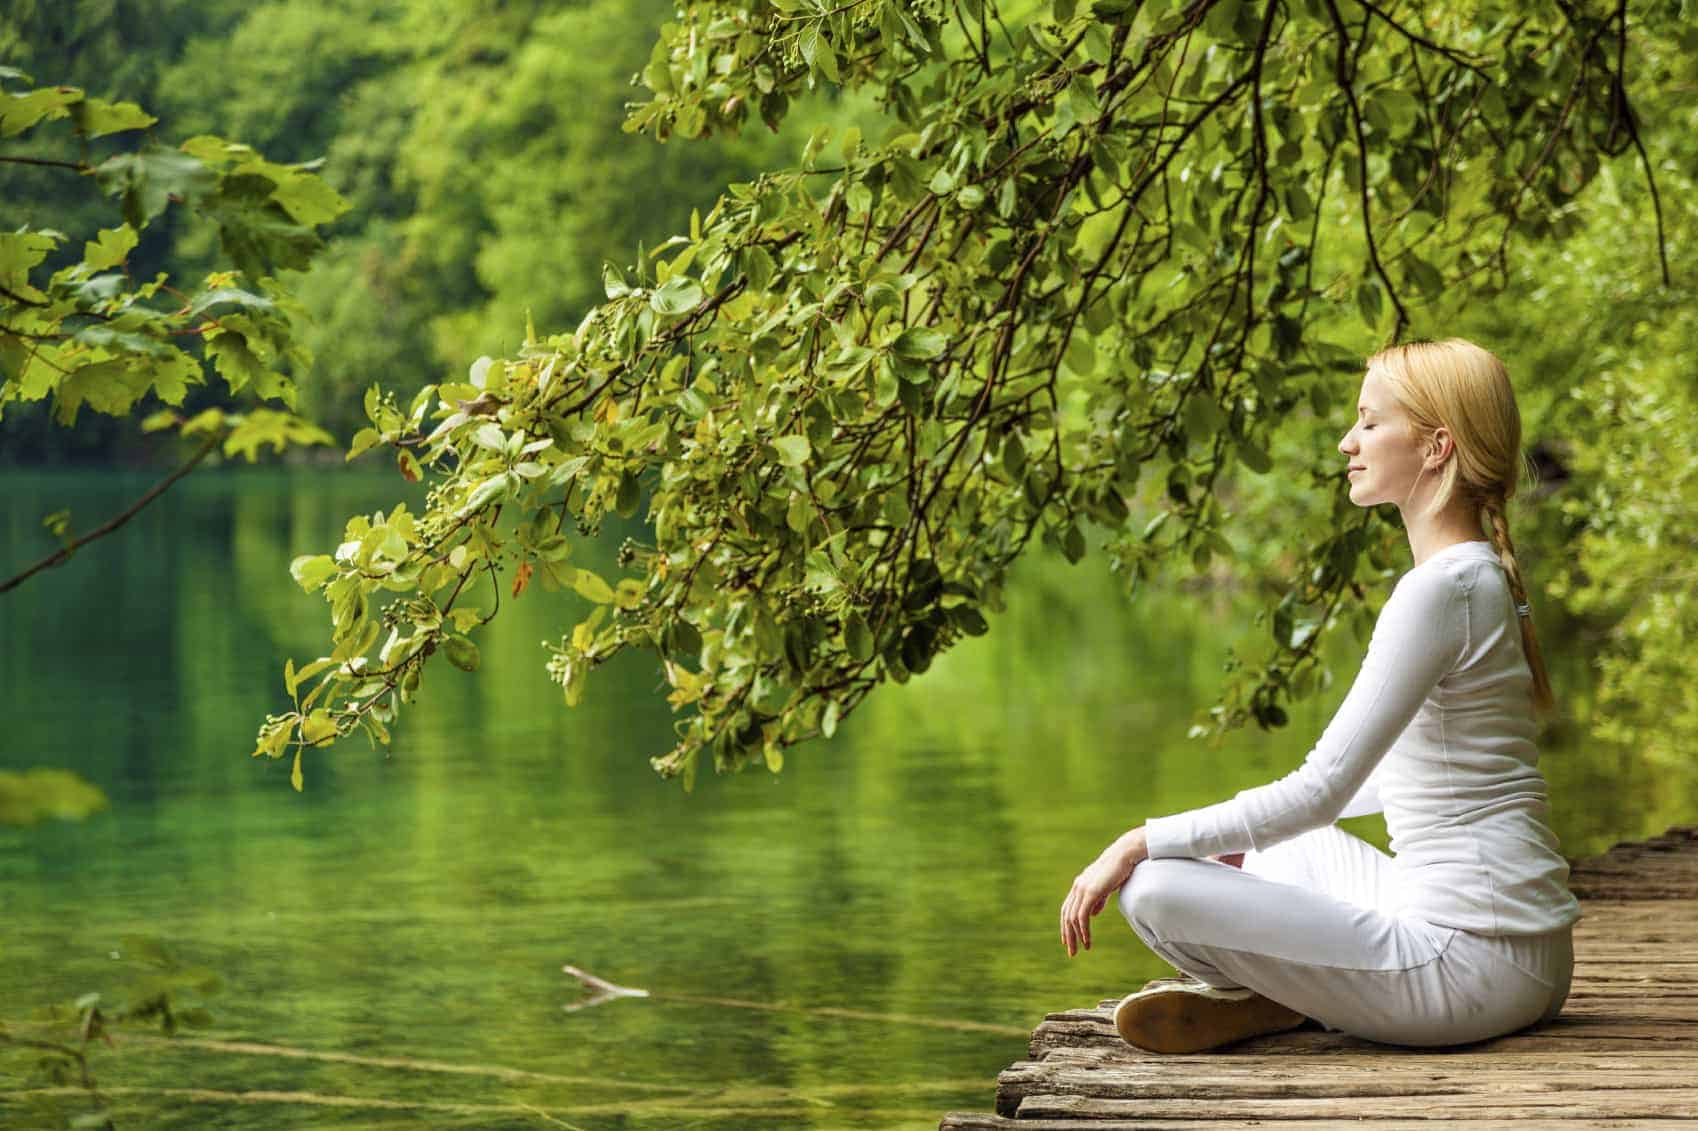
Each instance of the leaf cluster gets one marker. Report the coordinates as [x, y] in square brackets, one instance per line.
[1112, 253]
[85, 331]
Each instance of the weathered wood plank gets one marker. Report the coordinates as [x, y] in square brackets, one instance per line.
[977, 1121]
[1123, 1082]
[1661, 1103]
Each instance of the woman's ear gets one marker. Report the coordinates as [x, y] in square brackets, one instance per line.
[1439, 447]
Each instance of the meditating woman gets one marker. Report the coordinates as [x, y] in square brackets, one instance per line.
[1275, 914]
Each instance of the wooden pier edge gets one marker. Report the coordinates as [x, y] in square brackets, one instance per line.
[1624, 1051]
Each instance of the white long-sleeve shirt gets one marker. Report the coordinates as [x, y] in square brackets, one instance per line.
[1438, 729]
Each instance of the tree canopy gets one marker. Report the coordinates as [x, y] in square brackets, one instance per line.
[1098, 258]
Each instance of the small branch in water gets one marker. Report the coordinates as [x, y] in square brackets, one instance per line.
[600, 989]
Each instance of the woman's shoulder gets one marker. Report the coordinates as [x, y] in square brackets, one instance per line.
[1456, 565]
[1445, 579]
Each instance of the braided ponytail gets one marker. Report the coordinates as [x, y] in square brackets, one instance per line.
[1496, 521]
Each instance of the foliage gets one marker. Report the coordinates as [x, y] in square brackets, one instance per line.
[85, 330]
[481, 151]
[1629, 572]
[1086, 259]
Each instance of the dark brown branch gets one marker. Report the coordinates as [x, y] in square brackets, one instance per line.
[1633, 132]
[48, 162]
[1346, 84]
[1425, 42]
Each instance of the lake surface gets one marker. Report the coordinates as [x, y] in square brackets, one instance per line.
[861, 941]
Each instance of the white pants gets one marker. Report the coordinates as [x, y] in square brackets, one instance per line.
[1311, 924]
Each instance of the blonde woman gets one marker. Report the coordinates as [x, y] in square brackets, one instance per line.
[1275, 914]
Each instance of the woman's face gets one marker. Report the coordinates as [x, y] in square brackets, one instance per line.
[1384, 460]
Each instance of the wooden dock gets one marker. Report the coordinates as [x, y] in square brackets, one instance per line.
[1624, 1051]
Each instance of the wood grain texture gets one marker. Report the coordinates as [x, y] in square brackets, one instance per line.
[1624, 1052]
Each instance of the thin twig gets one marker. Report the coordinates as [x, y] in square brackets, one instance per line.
[63, 554]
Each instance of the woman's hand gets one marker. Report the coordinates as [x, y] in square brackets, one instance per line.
[1095, 884]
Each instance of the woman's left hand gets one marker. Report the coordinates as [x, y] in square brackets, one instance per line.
[1093, 886]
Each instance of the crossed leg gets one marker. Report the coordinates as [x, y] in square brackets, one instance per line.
[1311, 923]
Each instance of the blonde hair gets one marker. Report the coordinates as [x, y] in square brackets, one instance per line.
[1466, 389]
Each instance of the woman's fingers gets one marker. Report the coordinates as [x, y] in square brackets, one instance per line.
[1076, 912]
[1082, 902]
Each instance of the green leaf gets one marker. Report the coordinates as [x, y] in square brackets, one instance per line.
[293, 678]
[1253, 456]
[613, 282]
[677, 295]
[857, 638]
[240, 364]
[255, 231]
[1073, 543]
[110, 387]
[317, 727]
[307, 198]
[364, 440]
[311, 571]
[793, 451]
[267, 426]
[18, 112]
[629, 495]
[1081, 355]
[147, 180]
[97, 117]
[1368, 301]
[591, 586]
[969, 620]
[232, 297]
[109, 248]
[462, 653]
[919, 343]
[19, 253]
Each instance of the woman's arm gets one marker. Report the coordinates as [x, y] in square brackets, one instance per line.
[1420, 635]
[1367, 799]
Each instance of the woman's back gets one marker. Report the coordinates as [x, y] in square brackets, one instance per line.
[1465, 803]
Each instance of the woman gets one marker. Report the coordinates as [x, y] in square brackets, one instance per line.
[1464, 934]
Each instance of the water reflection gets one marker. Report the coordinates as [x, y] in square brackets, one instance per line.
[420, 902]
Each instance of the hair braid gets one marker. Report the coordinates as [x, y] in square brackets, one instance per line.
[1497, 525]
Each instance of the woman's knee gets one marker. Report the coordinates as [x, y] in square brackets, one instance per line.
[1158, 890]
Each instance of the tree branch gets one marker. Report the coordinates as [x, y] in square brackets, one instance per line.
[63, 554]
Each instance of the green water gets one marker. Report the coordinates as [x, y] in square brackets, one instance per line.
[391, 941]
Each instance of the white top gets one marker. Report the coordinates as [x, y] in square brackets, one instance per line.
[1438, 728]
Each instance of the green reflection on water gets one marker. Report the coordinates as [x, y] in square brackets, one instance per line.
[419, 904]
